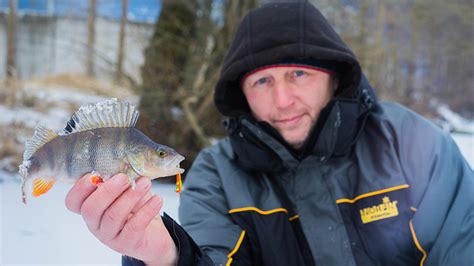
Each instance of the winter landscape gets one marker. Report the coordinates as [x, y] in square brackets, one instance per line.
[67, 55]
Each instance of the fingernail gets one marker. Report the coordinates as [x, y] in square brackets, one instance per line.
[87, 181]
[156, 201]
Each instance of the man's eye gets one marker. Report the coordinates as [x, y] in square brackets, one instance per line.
[261, 81]
[298, 73]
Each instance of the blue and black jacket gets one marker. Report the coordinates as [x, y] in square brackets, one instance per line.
[375, 183]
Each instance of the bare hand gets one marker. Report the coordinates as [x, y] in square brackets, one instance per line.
[124, 219]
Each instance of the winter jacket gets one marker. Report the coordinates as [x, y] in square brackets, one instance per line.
[403, 196]
[375, 184]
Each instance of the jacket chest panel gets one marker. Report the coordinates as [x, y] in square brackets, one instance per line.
[319, 215]
[375, 205]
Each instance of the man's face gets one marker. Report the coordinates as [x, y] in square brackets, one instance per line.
[289, 98]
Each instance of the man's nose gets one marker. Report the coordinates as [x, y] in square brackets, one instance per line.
[282, 95]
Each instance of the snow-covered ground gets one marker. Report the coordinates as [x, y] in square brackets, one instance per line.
[466, 145]
[44, 232]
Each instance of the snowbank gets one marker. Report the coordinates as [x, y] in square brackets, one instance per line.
[454, 122]
[466, 145]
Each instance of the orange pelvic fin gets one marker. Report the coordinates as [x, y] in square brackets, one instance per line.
[179, 183]
[96, 180]
[42, 185]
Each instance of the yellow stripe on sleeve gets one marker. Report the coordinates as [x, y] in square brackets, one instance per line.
[236, 248]
[417, 244]
[258, 210]
[294, 218]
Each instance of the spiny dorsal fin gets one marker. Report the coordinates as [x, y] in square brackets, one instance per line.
[109, 113]
[41, 136]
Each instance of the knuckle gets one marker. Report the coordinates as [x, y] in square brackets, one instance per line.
[134, 225]
[111, 216]
[147, 212]
[106, 190]
[87, 210]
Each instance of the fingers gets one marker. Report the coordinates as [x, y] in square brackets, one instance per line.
[96, 204]
[142, 202]
[116, 214]
[134, 229]
[78, 193]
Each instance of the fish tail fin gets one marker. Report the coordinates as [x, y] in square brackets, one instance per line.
[41, 136]
[23, 170]
[23, 192]
[42, 185]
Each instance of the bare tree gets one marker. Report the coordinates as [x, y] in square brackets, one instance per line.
[11, 40]
[120, 52]
[181, 67]
[91, 37]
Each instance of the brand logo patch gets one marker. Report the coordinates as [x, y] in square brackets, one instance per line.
[378, 212]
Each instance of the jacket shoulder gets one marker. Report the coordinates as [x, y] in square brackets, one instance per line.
[405, 128]
[221, 149]
[400, 117]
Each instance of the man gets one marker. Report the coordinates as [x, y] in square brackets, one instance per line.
[314, 171]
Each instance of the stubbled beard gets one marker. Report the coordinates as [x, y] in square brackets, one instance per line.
[300, 143]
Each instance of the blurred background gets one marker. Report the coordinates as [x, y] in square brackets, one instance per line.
[165, 56]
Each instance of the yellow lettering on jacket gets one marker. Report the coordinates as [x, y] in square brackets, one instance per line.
[378, 212]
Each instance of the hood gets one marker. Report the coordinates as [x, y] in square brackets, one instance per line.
[278, 33]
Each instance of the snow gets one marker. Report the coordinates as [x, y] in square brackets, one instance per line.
[455, 122]
[44, 232]
[31, 118]
[466, 145]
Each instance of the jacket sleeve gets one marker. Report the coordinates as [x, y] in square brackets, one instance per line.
[188, 252]
[203, 210]
[207, 235]
[442, 186]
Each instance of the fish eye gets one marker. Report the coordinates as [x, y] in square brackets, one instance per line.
[162, 153]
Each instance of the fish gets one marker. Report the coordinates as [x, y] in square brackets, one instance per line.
[100, 139]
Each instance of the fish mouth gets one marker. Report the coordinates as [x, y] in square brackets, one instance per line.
[176, 164]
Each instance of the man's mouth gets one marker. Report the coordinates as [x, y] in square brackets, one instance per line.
[289, 121]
